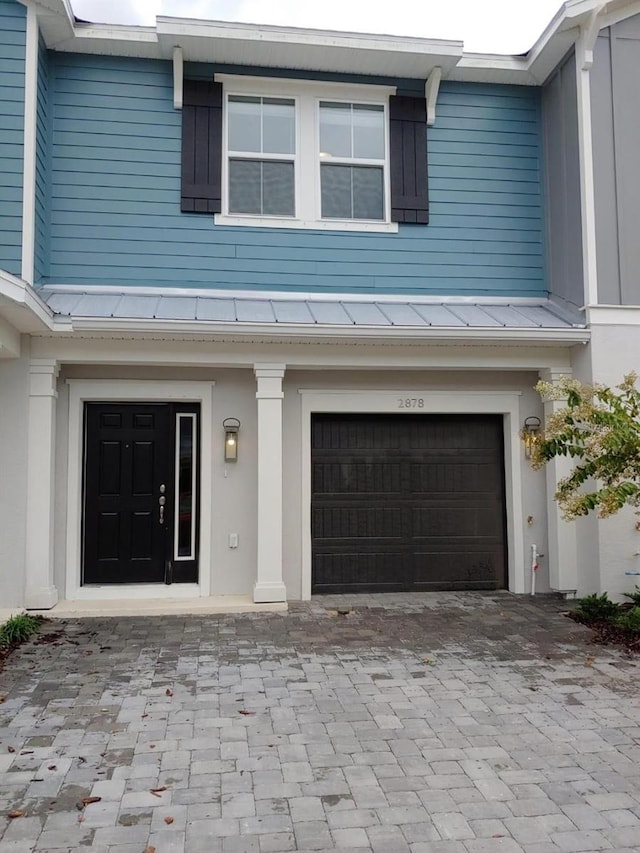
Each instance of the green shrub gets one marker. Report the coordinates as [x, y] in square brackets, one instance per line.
[17, 629]
[630, 619]
[634, 596]
[597, 608]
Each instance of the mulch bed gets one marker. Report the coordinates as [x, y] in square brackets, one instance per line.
[609, 634]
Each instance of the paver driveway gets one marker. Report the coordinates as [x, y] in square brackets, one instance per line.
[447, 722]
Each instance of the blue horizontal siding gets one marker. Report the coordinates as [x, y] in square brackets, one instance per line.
[115, 182]
[12, 53]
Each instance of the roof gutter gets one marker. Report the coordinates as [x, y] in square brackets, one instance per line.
[375, 334]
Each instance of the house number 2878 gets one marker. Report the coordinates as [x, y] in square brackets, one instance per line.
[411, 402]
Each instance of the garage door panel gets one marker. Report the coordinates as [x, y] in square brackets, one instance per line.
[364, 476]
[456, 522]
[438, 569]
[344, 521]
[383, 571]
[407, 502]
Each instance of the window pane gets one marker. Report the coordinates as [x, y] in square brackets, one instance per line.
[185, 487]
[368, 193]
[244, 186]
[243, 119]
[261, 187]
[335, 129]
[278, 192]
[352, 192]
[368, 132]
[336, 191]
[278, 126]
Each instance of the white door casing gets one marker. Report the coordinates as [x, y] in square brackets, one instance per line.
[123, 391]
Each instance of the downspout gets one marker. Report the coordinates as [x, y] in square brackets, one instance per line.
[584, 62]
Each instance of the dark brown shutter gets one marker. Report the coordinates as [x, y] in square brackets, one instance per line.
[408, 149]
[201, 190]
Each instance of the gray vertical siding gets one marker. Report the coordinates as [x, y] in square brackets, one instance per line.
[615, 102]
[562, 185]
[12, 51]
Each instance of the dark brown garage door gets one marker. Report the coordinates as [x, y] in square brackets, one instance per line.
[410, 502]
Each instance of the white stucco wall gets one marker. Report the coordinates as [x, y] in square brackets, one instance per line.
[614, 351]
[14, 384]
[234, 486]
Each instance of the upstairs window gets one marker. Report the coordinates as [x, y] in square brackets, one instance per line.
[352, 161]
[262, 155]
[303, 154]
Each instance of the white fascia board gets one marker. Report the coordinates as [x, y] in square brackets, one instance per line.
[307, 332]
[21, 306]
[614, 315]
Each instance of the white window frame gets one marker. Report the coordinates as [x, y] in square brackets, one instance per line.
[355, 161]
[260, 156]
[307, 95]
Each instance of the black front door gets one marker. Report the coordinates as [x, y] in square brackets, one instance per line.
[130, 530]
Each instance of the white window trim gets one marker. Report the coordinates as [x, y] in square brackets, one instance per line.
[505, 403]
[307, 95]
[107, 390]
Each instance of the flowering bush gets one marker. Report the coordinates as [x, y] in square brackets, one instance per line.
[600, 428]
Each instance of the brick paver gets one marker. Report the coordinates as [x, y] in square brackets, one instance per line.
[423, 723]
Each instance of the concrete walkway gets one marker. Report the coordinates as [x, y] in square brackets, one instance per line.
[435, 724]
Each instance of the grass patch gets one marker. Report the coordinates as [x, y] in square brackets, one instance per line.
[18, 629]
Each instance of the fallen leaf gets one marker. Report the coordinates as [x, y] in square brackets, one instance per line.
[2, 699]
[246, 713]
[88, 800]
[52, 767]
[16, 813]
[497, 835]
[589, 661]
[27, 752]
[150, 849]
[144, 715]
[82, 760]
[168, 692]
[158, 791]
[152, 746]
[168, 819]
[11, 749]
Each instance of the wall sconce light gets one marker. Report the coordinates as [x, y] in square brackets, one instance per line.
[531, 434]
[231, 430]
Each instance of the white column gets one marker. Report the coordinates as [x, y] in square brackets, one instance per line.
[562, 544]
[40, 592]
[269, 585]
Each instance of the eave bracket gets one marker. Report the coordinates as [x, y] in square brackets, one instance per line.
[431, 89]
[178, 75]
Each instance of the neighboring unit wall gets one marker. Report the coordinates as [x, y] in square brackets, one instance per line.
[12, 54]
[14, 398]
[562, 184]
[116, 187]
[615, 103]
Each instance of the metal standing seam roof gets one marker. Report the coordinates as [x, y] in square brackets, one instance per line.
[234, 310]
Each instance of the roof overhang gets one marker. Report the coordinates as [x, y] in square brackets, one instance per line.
[294, 48]
[205, 314]
[21, 311]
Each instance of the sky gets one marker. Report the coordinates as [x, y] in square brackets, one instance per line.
[486, 26]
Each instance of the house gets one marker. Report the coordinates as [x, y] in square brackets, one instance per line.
[273, 304]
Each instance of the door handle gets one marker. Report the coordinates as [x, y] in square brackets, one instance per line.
[162, 501]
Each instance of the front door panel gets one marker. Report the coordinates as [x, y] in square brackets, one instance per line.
[129, 495]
